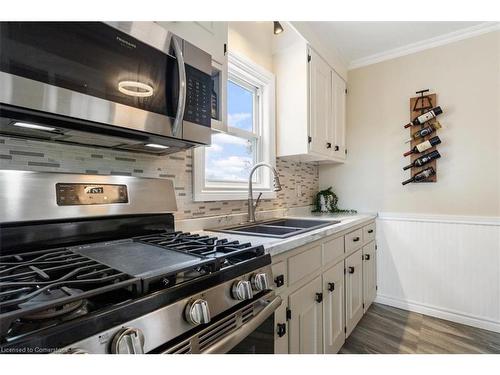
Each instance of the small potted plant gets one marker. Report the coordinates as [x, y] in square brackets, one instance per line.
[326, 202]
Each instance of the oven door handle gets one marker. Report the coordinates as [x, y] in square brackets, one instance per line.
[230, 341]
[181, 103]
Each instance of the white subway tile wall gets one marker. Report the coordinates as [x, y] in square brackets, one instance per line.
[31, 155]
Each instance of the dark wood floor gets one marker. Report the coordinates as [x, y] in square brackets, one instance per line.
[387, 330]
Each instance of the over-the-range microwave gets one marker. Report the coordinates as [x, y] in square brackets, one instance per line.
[125, 85]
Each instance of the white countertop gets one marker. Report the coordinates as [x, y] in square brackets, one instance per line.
[275, 246]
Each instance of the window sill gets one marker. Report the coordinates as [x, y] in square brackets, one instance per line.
[235, 195]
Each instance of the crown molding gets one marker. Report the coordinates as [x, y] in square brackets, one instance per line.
[423, 45]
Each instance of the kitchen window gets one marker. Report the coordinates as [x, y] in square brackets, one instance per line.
[221, 170]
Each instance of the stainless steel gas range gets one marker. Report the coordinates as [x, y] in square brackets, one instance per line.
[93, 264]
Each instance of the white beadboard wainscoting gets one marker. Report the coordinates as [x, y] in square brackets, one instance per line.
[444, 266]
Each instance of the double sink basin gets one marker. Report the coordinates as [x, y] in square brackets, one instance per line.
[277, 228]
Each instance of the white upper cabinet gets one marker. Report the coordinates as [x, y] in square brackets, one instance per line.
[311, 105]
[339, 93]
[320, 109]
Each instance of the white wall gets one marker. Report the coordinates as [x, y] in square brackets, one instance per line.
[466, 77]
[442, 267]
[253, 40]
[438, 243]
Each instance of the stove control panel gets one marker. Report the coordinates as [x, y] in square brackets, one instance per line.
[75, 194]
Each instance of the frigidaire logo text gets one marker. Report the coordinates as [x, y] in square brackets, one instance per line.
[126, 42]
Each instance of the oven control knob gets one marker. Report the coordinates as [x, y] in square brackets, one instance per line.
[259, 282]
[197, 312]
[128, 341]
[242, 290]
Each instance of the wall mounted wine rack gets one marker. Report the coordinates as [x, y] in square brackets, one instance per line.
[424, 103]
[419, 105]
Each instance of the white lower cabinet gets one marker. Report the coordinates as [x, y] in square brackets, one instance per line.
[333, 309]
[328, 288]
[306, 323]
[353, 290]
[369, 275]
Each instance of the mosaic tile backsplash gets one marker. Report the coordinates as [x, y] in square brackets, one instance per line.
[42, 156]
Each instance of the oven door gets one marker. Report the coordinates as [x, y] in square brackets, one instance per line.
[93, 71]
[248, 329]
[259, 341]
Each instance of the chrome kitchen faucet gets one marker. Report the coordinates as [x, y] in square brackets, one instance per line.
[277, 187]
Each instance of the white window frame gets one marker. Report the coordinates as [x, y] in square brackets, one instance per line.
[243, 71]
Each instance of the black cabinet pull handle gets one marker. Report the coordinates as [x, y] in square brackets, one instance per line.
[367, 256]
[279, 280]
[370, 230]
[328, 145]
[337, 148]
[319, 297]
[331, 287]
[355, 239]
[281, 329]
[351, 269]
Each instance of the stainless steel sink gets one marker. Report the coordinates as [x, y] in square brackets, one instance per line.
[277, 228]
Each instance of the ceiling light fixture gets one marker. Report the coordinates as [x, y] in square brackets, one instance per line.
[278, 29]
[155, 145]
[33, 126]
[133, 88]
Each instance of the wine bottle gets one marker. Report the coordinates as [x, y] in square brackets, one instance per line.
[424, 146]
[425, 131]
[423, 118]
[420, 176]
[424, 159]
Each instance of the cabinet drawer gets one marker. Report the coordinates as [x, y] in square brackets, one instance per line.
[368, 233]
[301, 265]
[280, 278]
[353, 240]
[333, 250]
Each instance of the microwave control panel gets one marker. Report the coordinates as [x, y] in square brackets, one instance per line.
[198, 96]
[77, 194]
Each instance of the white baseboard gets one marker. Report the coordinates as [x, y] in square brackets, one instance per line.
[439, 313]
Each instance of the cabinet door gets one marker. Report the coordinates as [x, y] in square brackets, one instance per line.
[306, 323]
[333, 309]
[281, 330]
[369, 274]
[339, 116]
[320, 108]
[353, 290]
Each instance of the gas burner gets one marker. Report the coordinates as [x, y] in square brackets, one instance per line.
[47, 284]
[49, 296]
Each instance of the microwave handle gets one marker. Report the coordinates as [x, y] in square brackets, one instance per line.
[181, 104]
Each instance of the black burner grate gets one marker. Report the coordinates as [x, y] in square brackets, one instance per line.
[41, 280]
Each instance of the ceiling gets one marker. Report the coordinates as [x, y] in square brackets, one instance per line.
[359, 42]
